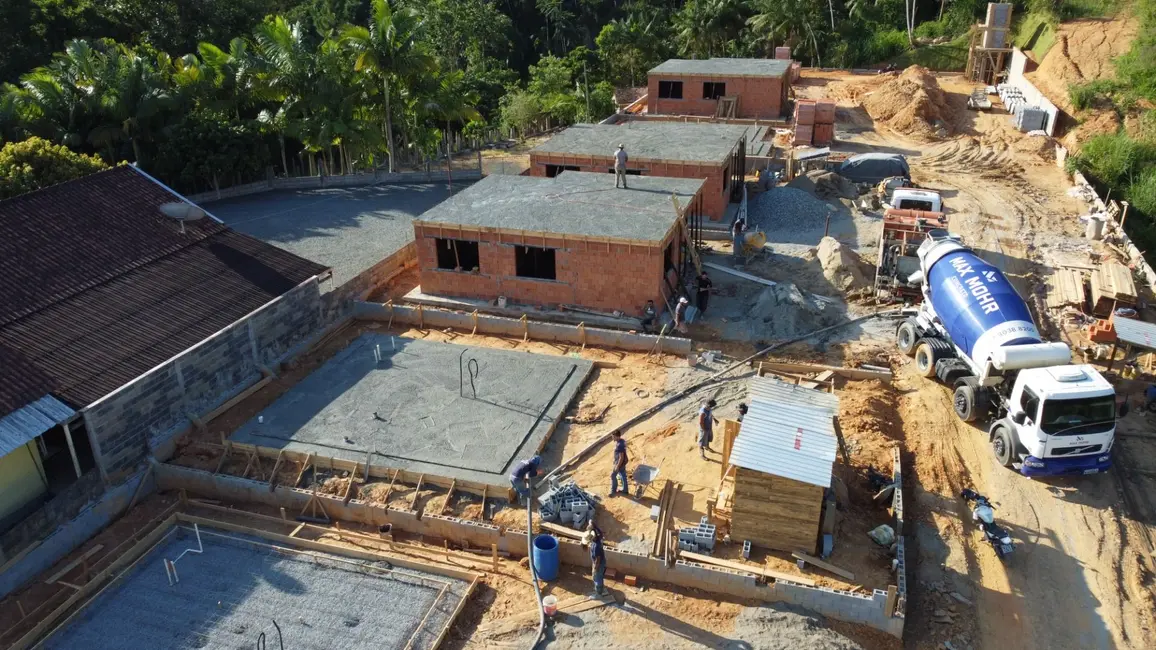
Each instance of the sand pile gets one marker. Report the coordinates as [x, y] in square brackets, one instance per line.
[841, 266]
[825, 185]
[1039, 149]
[784, 311]
[912, 104]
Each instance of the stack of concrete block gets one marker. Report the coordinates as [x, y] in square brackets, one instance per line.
[804, 121]
[697, 539]
[567, 504]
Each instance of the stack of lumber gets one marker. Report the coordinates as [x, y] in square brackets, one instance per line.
[1066, 289]
[1112, 286]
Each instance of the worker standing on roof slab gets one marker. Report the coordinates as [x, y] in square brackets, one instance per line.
[619, 467]
[706, 424]
[620, 166]
[520, 477]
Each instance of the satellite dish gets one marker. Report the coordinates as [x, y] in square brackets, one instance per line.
[182, 212]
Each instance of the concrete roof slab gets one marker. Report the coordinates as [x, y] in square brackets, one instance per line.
[573, 204]
[724, 67]
[648, 140]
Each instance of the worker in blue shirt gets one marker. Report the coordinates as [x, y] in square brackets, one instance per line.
[619, 467]
[1149, 396]
[706, 422]
[520, 477]
[593, 537]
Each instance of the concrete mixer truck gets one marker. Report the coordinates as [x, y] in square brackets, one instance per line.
[975, 334]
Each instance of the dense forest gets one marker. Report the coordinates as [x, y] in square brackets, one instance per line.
[204, 93]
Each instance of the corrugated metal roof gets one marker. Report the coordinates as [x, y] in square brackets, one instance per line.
[1135, 332]
[788, 431]
[23, 425]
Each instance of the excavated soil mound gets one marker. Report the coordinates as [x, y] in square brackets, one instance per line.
[1083, 52]
[912, 104]
[1099, 123]
[841, 266]
[825, 185]
[1036, 148]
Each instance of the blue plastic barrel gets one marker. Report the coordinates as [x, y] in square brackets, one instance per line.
[545, 557]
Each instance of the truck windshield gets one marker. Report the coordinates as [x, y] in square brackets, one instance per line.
[1069, 417]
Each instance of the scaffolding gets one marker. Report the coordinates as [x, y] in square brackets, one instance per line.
[989, 46]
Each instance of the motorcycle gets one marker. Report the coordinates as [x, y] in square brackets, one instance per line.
[983, 512]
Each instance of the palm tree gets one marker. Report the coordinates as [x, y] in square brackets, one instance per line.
[787, 21]
[452, 102]
[60, 101]
[134, 95]
[11, 120]
[386, 48]
[283, 74]
[234, 74]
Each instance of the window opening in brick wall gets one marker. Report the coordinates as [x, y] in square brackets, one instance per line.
[554, 170]
[670, 90]
[713, 89]
[531, 262]
[458, 254]
[726, 178]
[56, 458]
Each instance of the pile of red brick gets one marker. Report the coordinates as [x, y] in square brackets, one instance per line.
[1102, 331]
[814, 122]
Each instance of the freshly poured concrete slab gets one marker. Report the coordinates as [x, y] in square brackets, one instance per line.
[448, 410]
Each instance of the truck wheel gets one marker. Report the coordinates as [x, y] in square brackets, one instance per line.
[925, 358]
[964, 402]
[906, 336]
[1002, 445]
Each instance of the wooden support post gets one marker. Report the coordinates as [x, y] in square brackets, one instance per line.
[23, 615]
[582, 334]
[413, 500]
[349, 488]
[304, 466]
[284, 515]
[525, 328]
[474, 318]
[494, 556]
[389, 303]
[276, 466]
[249, 464]
[389, 489]
[420, 318]
[257, 466]
[449, 495]
[730, 432]
[892, 596]
[1112, 357]
[485, 489]
[71, 450]
[224, 456]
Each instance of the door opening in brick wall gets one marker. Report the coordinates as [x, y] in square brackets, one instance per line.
[713, 89]
[554, 170]
[670, 90]
[458, 254]
[56, 458]
[532, 262]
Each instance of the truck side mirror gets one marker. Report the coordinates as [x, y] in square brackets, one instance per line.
[1019, 417]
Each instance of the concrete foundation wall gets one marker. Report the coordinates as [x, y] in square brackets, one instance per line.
[348, 180]
[538, 331]
[844, 606]
[715, 196]
[759, 98]
[145, 413]
[64, 531]
[581, 270]
[1016, 70]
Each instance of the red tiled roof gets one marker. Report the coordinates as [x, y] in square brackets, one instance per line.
[100, 287]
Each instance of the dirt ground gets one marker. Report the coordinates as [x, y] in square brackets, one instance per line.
[1083, 52]
[1078, 578]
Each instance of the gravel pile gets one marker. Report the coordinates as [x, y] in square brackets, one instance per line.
[788, 208]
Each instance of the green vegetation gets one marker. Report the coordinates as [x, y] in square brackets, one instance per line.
[210, 93]
[36, 163]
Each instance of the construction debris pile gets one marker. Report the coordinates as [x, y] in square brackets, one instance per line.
[784, 311]
[567, 503]
[825, 185]
[912, 104]
[697, 539]
[841, 266]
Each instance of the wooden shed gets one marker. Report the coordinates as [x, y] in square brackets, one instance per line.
[782, 461]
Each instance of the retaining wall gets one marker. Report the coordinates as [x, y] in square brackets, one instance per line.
[841, 605]
[127, 424]
[67, 535]
[1033, 96]
[536, 330]
[347, 180]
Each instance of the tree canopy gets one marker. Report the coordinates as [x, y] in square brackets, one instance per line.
[36, 163]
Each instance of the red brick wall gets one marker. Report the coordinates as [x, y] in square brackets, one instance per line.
[714, 198]
[762, 98]
[589, 273]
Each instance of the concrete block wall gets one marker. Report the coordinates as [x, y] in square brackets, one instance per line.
[148, 411]
[714, 197]
[840, 605]
[538, 331]
[759, 98]
[581, 271]
[1018, 67]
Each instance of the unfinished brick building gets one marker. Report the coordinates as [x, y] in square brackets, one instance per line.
[715, 153]
[570, 240]
[758, 88]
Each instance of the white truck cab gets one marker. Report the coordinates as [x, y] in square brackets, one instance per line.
[1060, 420]
[906, 198]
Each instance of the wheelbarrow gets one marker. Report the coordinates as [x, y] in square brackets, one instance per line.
[644, 476]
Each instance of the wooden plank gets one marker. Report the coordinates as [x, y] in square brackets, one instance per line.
[748, 568]
[849, 373]
[276, 466]
[413, 499]
[892, 596]
[297, 530]
[73, 564]
[449, 495]
[730, 432]
[389, 490]
[559, 529]
[304, 466]
[826, 566]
